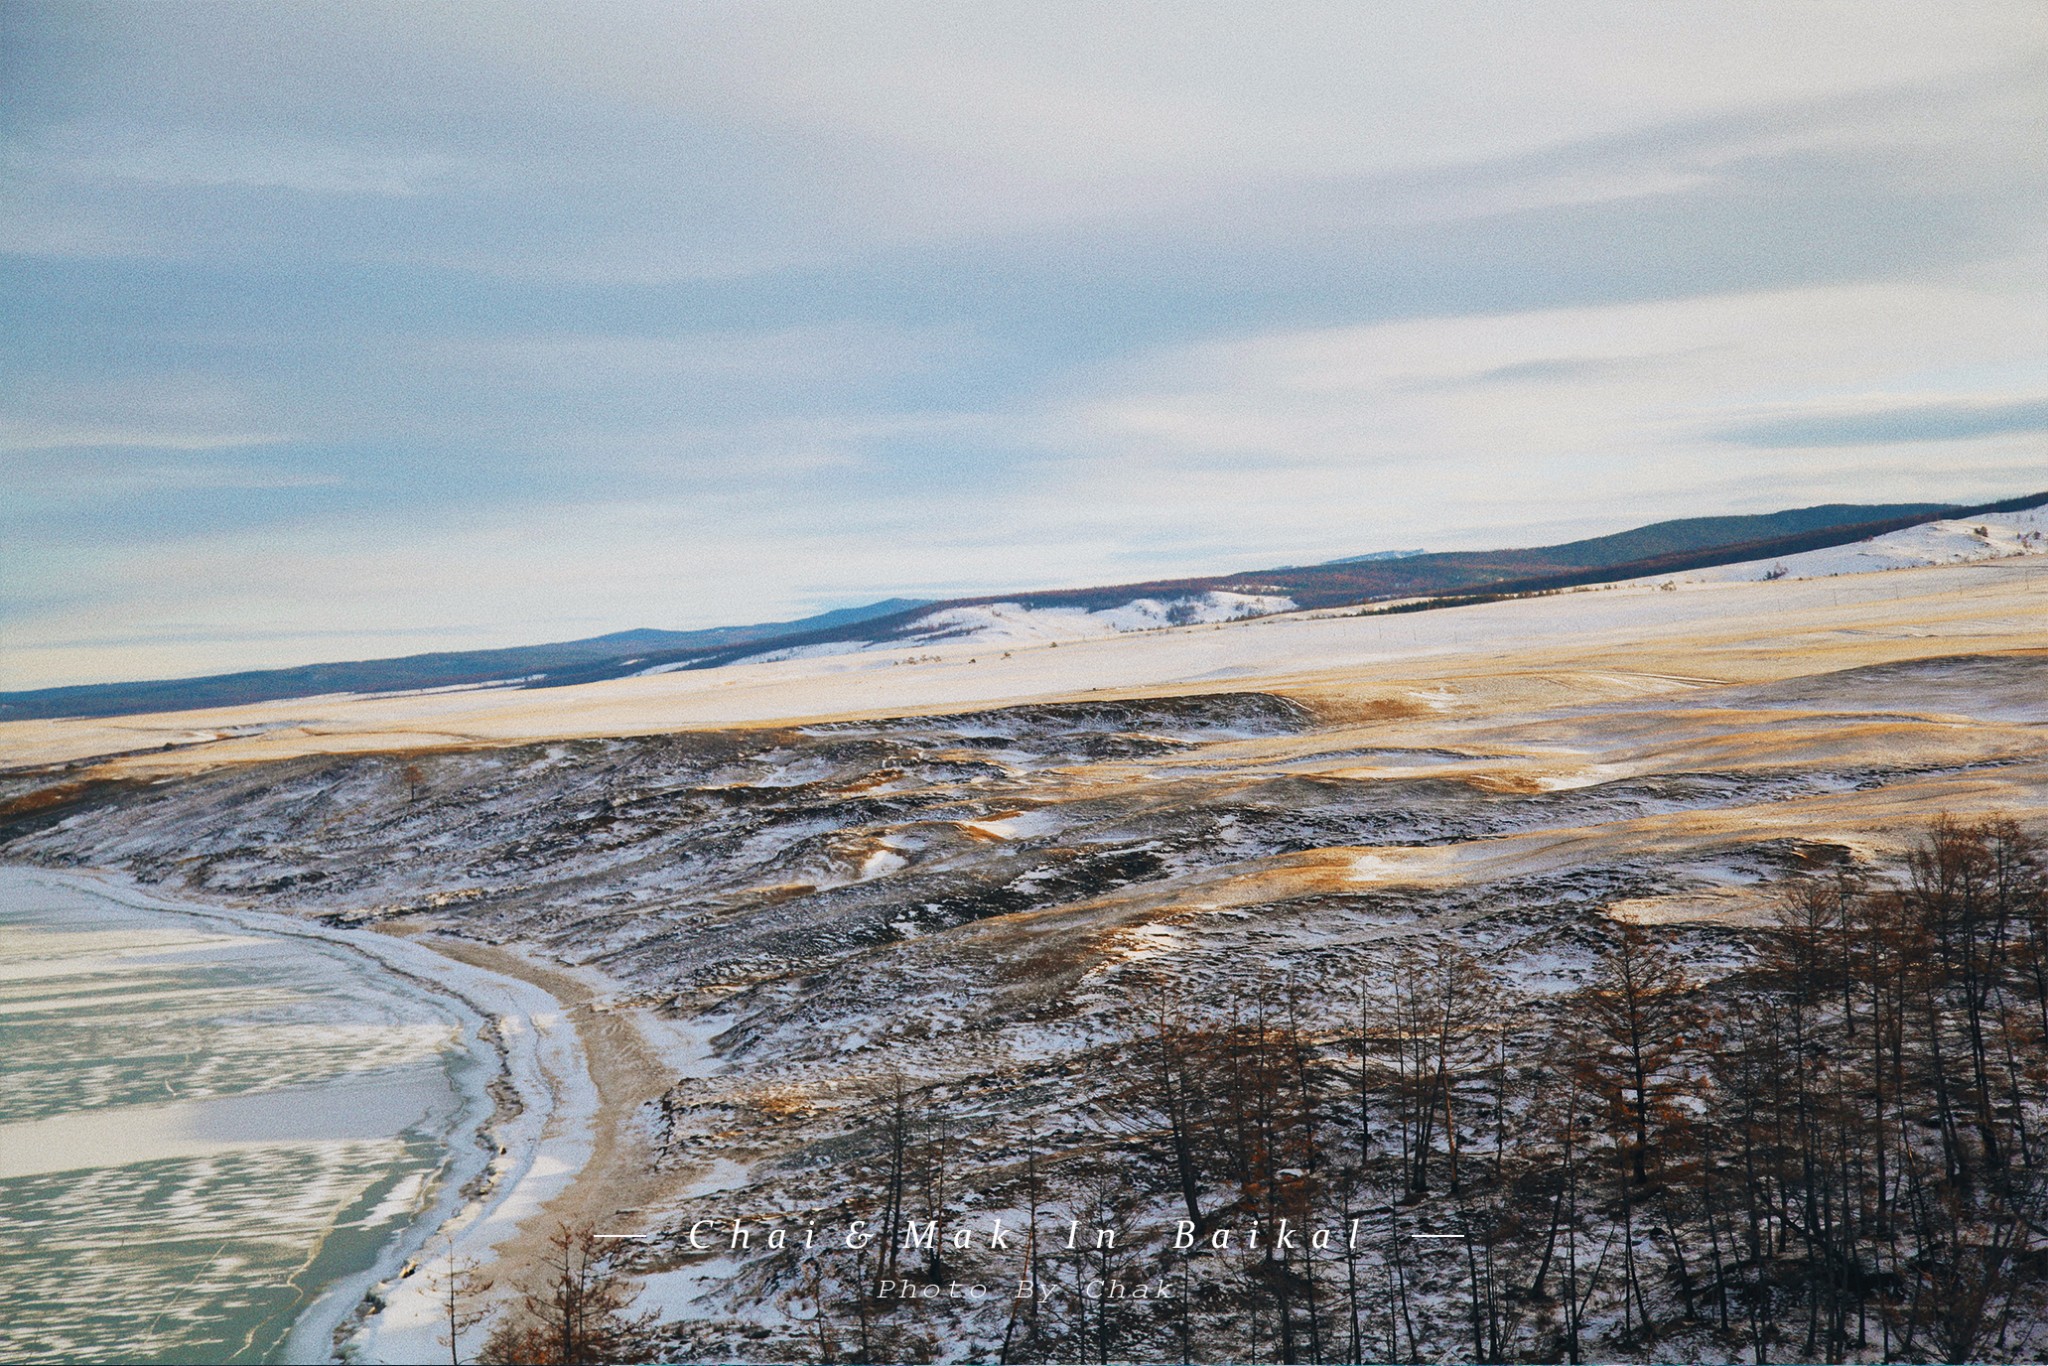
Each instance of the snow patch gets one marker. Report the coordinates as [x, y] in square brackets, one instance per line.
[1371, 868]
[723, 1174]
[1019, 825]
[1011, 623]
[881, 863]
[673, 1295]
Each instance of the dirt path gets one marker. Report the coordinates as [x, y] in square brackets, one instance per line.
[618, 1180]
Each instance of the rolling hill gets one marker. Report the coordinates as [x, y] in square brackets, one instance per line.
[1657, 548]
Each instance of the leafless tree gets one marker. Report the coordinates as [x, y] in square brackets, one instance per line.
[458, 1289]
[578, 1312]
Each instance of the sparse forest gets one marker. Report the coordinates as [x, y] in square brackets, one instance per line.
[1833, 1151]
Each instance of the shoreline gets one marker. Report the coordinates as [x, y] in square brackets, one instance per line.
[502, 1168]
[632, 1057]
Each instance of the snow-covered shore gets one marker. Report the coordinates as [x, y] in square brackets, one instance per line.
[506, 1160]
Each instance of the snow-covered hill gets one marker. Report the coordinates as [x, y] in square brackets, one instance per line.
[1992, 537]
[1014, 623]
[1005, 623]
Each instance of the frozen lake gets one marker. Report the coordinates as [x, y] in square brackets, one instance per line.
[213, 1138]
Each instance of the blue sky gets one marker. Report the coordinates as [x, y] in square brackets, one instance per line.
[344, 330]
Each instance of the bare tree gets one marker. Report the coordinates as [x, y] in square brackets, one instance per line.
[1638, 1009]
[577, 1314]
[458, 1288]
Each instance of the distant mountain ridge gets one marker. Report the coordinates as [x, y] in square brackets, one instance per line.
[1660, 547]
[411, 673]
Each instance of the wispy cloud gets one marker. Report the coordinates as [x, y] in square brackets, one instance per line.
[19, 437]
[1889, 426]
[202, 158]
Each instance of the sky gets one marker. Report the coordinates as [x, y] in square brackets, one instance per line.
[347, 330]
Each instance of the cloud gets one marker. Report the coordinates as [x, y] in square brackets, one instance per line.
[203, 158]
[18, 437]
[1892, 426]
[1450, 430]
[1158, 93]
[551, 320]
[1548, 368]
